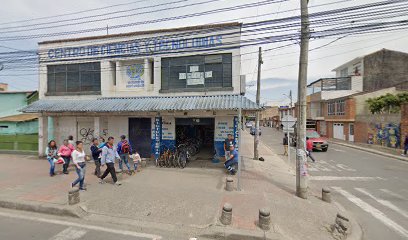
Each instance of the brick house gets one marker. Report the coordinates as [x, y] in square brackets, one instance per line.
[339, 115]
[383, 69]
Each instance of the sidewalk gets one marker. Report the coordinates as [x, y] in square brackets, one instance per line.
[371, 148]
[187, 200]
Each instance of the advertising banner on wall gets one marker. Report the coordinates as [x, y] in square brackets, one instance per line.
[135, 76]
[157, 136]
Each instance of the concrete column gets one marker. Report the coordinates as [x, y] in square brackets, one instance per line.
[97, 127]
[118, 76]
[42, 135]
[146, 74]
[50, 129]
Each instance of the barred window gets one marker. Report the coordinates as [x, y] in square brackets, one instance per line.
[331, 108]
[195, 72]
[340, 107]
[74, 78]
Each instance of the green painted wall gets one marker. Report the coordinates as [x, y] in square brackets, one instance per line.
[19, 142]
[11, 103]
[13, 128]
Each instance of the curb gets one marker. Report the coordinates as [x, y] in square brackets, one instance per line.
[52, 209]
[356, 230]
[371, 151]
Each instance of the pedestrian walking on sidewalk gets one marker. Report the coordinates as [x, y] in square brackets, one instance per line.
[309, 148]
[51, 153]
[96, 156]
[124, 149]
[405, 145]
[65, 152]
[71, 140]
[285, 145]
[233, 160]
[102, 142]
[136, 160]
[78, 158]
[227, 143]
[108, 156]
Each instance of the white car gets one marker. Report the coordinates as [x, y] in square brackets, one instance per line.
[249, 124]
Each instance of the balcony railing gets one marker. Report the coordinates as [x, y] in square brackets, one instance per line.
[330, 84]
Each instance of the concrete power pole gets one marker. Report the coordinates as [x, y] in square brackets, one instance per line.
[258, 96]
[301, 158]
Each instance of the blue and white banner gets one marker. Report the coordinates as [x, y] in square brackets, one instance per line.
[236, 132]
[157, 136]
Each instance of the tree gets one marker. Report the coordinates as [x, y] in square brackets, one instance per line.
[387, 103]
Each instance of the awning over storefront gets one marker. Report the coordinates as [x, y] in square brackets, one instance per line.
[144, 104]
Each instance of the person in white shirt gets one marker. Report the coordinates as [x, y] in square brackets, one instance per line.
[78, 157]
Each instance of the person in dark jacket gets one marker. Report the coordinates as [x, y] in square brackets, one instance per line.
[96, 156]
[285, 145]
[405, 145]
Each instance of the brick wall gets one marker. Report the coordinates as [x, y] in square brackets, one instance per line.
[349, 110]
[360, 132]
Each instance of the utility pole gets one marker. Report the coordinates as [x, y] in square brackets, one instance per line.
[301, 158]
[290, 96]
[258, 96]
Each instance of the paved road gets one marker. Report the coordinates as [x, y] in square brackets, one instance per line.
[374, 188]
[22, 226]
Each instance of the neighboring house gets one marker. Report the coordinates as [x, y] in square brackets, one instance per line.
[157, 87]
[372, 72]
[349, 118]
[18, 131]
[267, 115]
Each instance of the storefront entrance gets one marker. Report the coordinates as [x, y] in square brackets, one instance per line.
[197, 131]
[140, 135]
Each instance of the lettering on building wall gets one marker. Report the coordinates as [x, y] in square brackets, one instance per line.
[135, 47]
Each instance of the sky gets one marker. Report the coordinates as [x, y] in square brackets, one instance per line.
[280, 67]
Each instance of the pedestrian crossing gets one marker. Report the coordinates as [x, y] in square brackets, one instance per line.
[329, 166]
[374, 202]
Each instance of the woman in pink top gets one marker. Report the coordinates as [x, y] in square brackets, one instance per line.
[65, 152]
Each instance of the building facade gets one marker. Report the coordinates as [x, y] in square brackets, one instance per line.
[156, 87]
[367, 74]
[18, 131]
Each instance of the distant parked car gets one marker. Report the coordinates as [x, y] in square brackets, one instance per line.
[252, 131]
[248, 124]
[319, 143]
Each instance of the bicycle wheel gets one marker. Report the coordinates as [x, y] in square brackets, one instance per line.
[167, 162]
[183, 160]
[171, 160]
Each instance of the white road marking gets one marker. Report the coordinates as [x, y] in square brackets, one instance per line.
[373, 211]
[83, 226]
[384, 202]
[345, 167]
[336, 178]
[394, 194]
[69, 234]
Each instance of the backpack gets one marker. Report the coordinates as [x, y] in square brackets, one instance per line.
[125, 147]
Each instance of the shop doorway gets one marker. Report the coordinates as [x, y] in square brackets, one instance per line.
[140, 135]
[199, 131]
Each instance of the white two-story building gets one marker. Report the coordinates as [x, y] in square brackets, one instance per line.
[155, 87]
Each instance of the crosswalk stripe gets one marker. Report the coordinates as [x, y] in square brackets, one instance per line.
[373, 211]
[69, 234]
[384, 202]
[394, 194]
[337, 178]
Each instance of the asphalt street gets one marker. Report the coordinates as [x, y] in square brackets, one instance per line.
[18, 225]
[372, 187]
